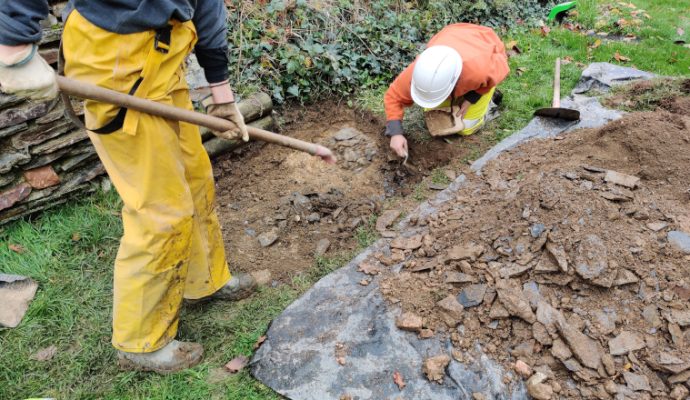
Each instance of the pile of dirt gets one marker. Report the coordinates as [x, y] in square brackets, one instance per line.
[568, 261]
[280, 208]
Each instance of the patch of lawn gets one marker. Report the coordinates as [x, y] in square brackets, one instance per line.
[70, 251]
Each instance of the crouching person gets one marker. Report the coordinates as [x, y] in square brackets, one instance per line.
[454, 80]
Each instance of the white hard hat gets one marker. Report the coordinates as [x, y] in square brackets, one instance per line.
[434, 76]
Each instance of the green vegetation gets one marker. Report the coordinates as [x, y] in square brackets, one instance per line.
[300, 52]
[301, 49]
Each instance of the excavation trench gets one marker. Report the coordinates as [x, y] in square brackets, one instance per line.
[267, 194]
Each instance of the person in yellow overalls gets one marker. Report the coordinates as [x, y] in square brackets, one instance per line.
[172, 248]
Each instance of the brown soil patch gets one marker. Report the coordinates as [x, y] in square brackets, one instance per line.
[264, 188]
[546, 207]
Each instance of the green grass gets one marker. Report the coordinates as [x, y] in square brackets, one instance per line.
[72, 309]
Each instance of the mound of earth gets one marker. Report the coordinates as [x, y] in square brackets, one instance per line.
[280, 208]
[568, 261]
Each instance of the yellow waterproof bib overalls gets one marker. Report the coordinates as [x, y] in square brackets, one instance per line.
[172, 246]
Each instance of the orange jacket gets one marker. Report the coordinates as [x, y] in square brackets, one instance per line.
[484, 66]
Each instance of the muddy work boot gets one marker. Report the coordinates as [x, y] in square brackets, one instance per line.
[239, 287]
[175, 356]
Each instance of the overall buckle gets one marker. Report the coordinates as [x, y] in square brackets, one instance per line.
[162, 39]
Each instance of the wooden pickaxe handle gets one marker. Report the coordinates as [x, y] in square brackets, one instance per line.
[89, 91]
[556, 103]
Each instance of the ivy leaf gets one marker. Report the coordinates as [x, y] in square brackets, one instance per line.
[293, 90]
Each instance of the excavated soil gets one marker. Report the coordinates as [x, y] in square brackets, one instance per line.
[563, 266]
[266, 192]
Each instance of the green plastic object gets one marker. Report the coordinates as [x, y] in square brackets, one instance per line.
[561, 8]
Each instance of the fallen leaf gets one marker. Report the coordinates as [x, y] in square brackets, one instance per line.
[566, 60]
[596, 44]
[236, 364]
[620, 58]
[364, 282]
[398, 379]
[520, 70]
[572, 27]
[76, 237]
[512, 45]
[259, 342]
[17, 248]
[545, 30]
[45, 354]
[680, 31]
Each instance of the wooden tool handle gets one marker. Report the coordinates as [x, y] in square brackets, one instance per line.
[89, 91]
[556, 103]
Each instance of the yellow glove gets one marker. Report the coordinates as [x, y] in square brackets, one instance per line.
[25, 73]
[230, 112]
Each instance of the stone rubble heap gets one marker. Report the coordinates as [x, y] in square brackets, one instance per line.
[567, 262]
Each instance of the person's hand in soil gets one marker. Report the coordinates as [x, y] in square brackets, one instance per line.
[399, 145]
[326, 155]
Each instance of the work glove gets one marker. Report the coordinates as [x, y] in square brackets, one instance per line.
[230, 112]
[27, 74]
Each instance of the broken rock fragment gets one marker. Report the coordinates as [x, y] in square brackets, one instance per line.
[16, 292]
[591, 262]
[522, 369]
[586, 350]
[497, 311]
[268, 238]
[472, 295]
[680, 392]
[403, 243]
[322, 247]
[386, 219]
[637, 382]
[537, 388]
[626, 342]
[558, 253]
[515, 302]
[435, 367]
[467, 251]
[680, 317]
[625, 277]
[452, 309]
[621, 179]
[409, 321]
[680, 241]
[549, 316]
